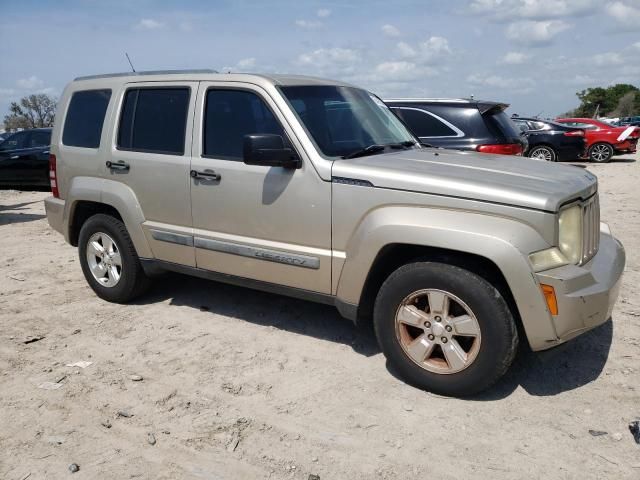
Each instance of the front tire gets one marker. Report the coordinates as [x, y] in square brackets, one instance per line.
[444, 329]
[109, 260]
[600, 152]
[544, 153]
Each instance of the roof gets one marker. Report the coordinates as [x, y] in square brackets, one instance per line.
[207, 74]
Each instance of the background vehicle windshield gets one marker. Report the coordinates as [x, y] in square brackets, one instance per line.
[342, 120]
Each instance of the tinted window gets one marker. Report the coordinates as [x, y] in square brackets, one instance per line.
[423, 124]
[85, 117]
[15, 141]
[342, 120]
[229, 116]
[154, 120]
[40, 139]
[501, 122]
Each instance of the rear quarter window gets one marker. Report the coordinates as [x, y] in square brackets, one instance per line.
[424, 124]
[85, 118]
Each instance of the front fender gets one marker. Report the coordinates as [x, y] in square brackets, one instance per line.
[115, 194]
[504, 241]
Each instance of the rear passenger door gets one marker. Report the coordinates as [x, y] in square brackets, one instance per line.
[152, 155]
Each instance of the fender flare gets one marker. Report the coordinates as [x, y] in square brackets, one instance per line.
[506, 242]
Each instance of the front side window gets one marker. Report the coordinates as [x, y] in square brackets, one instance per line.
[342, 120]
[85, 118]
[154, 120]
[229, 116]
[14, 142]
[424, 124]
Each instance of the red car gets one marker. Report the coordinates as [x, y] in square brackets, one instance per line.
[604, 140]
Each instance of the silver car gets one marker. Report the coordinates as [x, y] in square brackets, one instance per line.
[313, 188]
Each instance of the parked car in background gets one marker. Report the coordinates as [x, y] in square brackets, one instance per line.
[4, 135]
[24, 158]
[629, 121]
[461, 124]
[551, 141]
[604, 140]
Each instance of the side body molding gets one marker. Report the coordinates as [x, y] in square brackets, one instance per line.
[115, 194]
[504, 241]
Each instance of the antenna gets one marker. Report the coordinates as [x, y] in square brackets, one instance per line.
[132, 69]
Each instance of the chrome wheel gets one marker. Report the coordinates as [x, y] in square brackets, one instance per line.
[438, 331]
[600, 152]
[104, 260]
[542, 153]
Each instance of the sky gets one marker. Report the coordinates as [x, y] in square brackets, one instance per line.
[533, 54]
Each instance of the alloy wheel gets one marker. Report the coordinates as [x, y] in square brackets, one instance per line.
[104, 259]
[542, 153]
[600, 153]
[438, 331]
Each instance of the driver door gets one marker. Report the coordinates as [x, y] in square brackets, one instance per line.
[270, 224]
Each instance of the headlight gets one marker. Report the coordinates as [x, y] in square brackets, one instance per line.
[570, 233]
[547, 259]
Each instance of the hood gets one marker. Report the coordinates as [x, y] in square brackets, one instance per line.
[517, 181]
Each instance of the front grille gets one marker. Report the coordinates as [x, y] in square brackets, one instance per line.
[590, 228]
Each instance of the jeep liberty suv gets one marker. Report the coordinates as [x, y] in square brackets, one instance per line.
[315, 189]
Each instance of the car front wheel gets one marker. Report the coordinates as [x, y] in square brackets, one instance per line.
[600, 152]
[543, 153]
[444, 329]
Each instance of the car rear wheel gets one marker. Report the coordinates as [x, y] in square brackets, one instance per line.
[444, 329]
[109, 261]
[543, 153]
[600, 152]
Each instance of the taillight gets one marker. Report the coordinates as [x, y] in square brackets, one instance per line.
[574, 133]
[53, 179]
[501, 148]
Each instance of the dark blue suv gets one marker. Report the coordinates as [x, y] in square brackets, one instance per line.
[24, 158]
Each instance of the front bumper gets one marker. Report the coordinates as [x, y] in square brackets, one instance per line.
[585, 294]
[55, 213]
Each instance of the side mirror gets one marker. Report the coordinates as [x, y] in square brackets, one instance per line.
[269, 150]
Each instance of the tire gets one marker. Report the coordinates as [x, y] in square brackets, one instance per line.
[129, 281]
[495, 329]
[544, 152]
[600, 152]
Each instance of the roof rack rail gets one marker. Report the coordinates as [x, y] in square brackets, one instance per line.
[148, 72]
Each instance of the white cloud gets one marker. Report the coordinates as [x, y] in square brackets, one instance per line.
[627, 14]
[324, 57]
[433, 49]
[30, 83]
[401, 71]
[308, 24]
[406, 50]
[247, 63]
[607, 59]
[323, 12]
[390, 30]
[149, 24]
[514, 58]
[507, 10]
[497, 81]
[535, 33]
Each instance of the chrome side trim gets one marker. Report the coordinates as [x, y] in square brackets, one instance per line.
[276, 256]
[171, 237]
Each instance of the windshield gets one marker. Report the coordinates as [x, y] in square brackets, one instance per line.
[343, 120]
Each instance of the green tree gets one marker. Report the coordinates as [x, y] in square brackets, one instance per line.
[32, 111]
[607, 100]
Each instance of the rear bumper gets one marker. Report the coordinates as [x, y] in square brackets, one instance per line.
[586, 295]
[55, 213]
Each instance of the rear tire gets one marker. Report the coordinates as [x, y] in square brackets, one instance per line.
[459, 348]
[544, 152]
[600, 152]
[109, 260]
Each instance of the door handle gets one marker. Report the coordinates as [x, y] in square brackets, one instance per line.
[205, 175]
[120, 166]
[14, 157]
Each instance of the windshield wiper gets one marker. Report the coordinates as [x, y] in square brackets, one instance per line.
[378, 148]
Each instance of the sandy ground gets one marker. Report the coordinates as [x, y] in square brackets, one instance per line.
[239, 384]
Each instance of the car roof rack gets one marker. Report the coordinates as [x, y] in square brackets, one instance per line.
[147, 72]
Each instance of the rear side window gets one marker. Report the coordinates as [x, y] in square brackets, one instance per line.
[40, 138]
[423, 124]
[154, 120]
[85, 118]
[501, 124]
[229, 116]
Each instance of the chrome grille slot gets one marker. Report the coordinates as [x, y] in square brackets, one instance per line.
[590, 228]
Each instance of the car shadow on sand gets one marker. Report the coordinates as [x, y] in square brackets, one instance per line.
[12, 213]
[548, 373]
